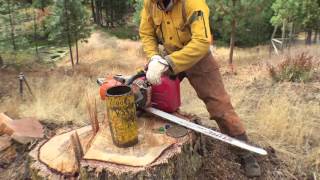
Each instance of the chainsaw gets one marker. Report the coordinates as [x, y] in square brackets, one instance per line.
[164, 99]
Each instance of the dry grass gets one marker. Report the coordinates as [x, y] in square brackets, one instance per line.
[285, 116]
[59, 99]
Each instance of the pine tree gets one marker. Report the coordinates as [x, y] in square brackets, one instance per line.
[311, 18]
[233, 12]
[110, 12]
[69, 24]
[41, 4]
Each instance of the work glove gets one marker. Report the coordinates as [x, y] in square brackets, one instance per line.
[157, 66]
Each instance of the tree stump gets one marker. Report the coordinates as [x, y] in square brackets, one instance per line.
[83, 154]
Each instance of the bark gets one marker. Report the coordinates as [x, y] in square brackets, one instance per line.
[13, 41]
[315, 37]
[309, 37]
[68, 33]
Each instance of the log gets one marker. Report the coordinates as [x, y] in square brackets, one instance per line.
[22, 130]
[156, 156]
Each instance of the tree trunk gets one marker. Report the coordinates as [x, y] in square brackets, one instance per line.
[13, 41]
[156, 156]
[283, 36]
[232, 38]
[35, 33]
[93, 11]
[70, 50]
[315, 37]
[77, 51]
[68, 33]
[272, 45]
[309, 37]
[107, 18]
[290, 35]
[1, 61]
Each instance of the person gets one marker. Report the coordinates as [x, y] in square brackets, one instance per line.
[182, 28]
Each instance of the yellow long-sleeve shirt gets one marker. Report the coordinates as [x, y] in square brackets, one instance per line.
[185, 39]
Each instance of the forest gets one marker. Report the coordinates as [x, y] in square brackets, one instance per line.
[39, 24]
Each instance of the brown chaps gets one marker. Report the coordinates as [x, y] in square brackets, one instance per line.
[206, 79]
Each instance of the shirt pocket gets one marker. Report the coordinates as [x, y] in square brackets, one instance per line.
[158, 29]
[183, 31]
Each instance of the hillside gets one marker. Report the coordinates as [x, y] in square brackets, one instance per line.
[282, 117]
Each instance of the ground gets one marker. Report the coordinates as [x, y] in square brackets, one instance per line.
[282, 117]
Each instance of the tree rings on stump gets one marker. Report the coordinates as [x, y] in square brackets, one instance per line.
[156, 156]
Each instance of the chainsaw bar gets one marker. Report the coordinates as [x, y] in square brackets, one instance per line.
[206, 131]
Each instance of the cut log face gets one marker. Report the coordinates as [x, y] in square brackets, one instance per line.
[155, 152]
[149, 147]
[58, 153]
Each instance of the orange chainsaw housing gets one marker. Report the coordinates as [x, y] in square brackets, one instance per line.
[109, 82]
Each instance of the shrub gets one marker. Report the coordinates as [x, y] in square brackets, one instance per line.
[294, 69]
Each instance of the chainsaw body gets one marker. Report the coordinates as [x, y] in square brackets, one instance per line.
[165, 96]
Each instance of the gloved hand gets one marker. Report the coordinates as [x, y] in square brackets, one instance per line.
[156, 67]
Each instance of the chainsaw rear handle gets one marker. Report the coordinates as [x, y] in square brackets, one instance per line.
[140, 74]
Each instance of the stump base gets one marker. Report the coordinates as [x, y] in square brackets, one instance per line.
[156, 156]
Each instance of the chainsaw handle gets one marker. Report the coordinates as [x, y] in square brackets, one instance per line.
[140, 74]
